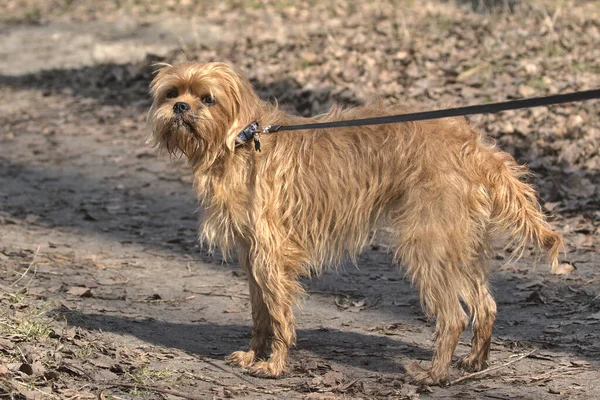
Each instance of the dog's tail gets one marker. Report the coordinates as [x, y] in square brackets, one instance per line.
[516, 211]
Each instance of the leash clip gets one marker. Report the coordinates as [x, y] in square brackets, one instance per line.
[253, 131]
[257, 141]
[256, 137]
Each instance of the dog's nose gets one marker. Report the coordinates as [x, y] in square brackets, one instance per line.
[180, 107]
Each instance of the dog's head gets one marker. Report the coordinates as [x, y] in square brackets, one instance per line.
[198, 109]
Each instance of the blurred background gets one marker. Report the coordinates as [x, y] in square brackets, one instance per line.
[308, 54]
[98, 229]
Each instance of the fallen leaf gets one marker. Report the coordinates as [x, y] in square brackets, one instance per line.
[531, 285]
[471, 72]
[26, 369]
[595, 316]
[526, 91]
[321, 396]
[536, 297]
[579, 363]
[6, 345]
[554, 329]
[342, 387]
[70, 369]
[153, 297]
[51, 375]
[80, 291]
[333, 378]
[117, 369]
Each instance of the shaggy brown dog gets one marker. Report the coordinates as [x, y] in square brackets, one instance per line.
[312, 197]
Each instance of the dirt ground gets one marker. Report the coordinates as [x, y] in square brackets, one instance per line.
[106, 292]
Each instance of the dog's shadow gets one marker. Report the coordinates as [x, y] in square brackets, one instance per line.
[375, 353]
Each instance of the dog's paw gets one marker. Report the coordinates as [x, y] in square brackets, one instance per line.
[242, 359]
[471, 364]
[421, 376]
[266, 369]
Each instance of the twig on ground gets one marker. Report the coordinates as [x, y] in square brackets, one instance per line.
[167, 300]
[494, 396]
[218, 367]
[21, 354]
[211, 286]
[564, 370]
[250, 388]
[158, 389]
[342, 387]
[487, 370]
[203, 378]
[28, 386]
[237, 296]
[28, 268]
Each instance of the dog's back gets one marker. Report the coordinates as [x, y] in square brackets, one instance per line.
[331, 188]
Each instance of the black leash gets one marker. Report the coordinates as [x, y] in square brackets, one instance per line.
[252, 131]
[450, 112]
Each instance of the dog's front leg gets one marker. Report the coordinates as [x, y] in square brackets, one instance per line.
[278, 286]
[261, 321]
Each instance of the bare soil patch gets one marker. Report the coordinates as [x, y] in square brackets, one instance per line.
[105, 292]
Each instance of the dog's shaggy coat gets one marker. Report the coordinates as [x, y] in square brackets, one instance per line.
[312, 197]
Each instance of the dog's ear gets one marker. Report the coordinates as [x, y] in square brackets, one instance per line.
[161, 71]
[244, 105]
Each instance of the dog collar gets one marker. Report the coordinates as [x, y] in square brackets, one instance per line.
[251, 132]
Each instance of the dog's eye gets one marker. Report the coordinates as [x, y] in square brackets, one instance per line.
[209, 100]
[171, 94]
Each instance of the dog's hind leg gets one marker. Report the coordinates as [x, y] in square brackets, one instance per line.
[483, 310]
[261, 322]
[435, 243]
[451, 320]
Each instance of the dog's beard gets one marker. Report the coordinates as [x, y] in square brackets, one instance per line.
[178, 134]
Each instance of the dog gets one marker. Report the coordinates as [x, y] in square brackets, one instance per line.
[311, 198]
